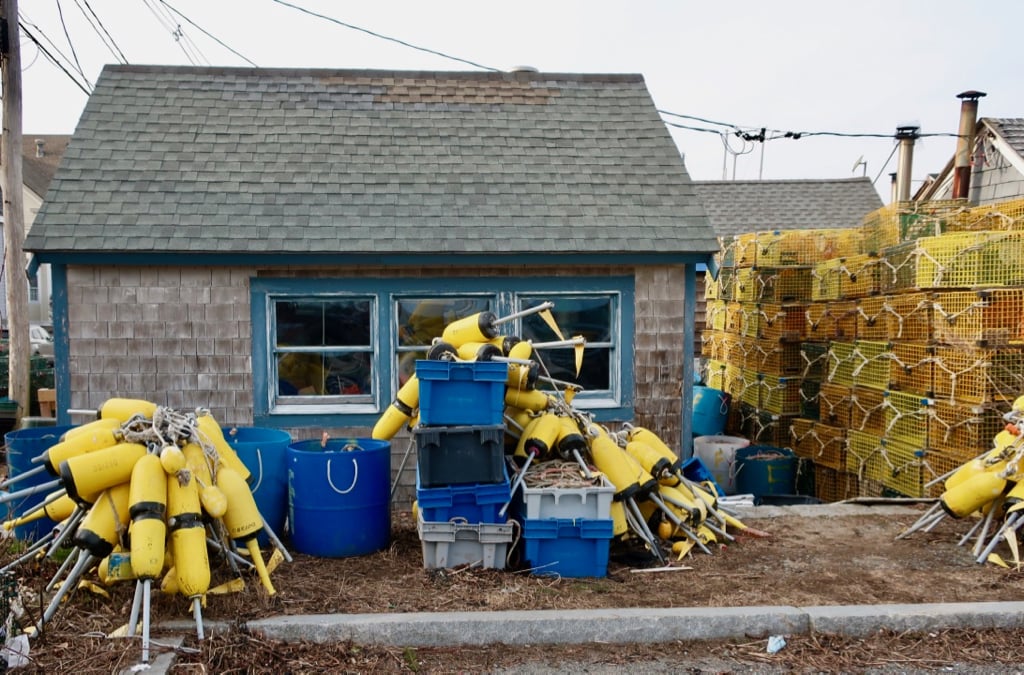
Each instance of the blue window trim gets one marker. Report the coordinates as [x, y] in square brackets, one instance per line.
[385, 288]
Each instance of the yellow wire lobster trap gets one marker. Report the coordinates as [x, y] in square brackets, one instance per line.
[826, 279]
[905, 221]
[912, 367]
[862, 450]
[904, 467]
[872, 318]
[861, 362]
[985, 318]
[814, 356]
[763, 427]
[909, 317]
[907, 417]
[977, 375]
[782, 359]
[859, 276]
[723, 376]
[1007, 215]
[831, 321]
[780, 322]
[831, 485]
[778, 395]
[823, 444]
[867, 410]
[956, 260]
[803, 247]
[834, 404]
[964, 431]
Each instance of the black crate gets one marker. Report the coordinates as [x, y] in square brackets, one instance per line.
[458, 455]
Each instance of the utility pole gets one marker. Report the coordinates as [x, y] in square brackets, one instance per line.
[14, 210]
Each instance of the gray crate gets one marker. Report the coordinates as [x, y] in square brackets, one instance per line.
[458, 542]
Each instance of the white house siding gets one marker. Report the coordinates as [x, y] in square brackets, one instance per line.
[181, 337]
[996, 180]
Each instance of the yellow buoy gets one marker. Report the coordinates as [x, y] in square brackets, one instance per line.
[57, 510]
[100, 529]
[226, 455]
[213, 500]
[123, 409]
[505, 343]
[533, 400]
[108, 424]
[96, 471]
[478, 351]
[539, 436]
[188, 538]
[523, 377]
[971, 494]
[399, 412]
[479, 327]
[243, 520]
[147, 498]
[96, 439]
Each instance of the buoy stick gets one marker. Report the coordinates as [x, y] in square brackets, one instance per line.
[28, 492]
[679, 523]
[571, 342]
[66, 529]
[1010, 524]
[935, 522]
[80, 411]
[920, 522]
[197, 613]
[233, 557]
[587, 473]
[974, 528]
[526, 312]
[133, 616]
[518, 481]
[37, 546]
[984, 529]
[640, 527]
[145, 620]
[272, 536]
[85, 560]
[25, 474]
[401, 468]
[72, 557]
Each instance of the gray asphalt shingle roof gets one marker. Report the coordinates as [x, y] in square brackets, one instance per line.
[735, 207]
[1011, 129]
[179, 159]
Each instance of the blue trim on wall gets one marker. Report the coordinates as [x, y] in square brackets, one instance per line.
[188, 259]
[61, 342]
[689, 340]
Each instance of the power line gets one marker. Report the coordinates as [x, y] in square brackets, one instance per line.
[177, 33]
[24, 29]
[207, 34]
[101, 31]
[71, 45]
[385, 37]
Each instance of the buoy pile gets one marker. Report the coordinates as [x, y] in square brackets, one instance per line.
[654, 503]
[141, 493]
[988, 490]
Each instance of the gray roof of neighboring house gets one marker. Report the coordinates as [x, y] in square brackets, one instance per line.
[735, 207]
[270, 161]
[41, 154]
[1011, 129]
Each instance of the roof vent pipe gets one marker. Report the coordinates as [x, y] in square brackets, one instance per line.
[892, 186]
[965, 143]
[906, 136]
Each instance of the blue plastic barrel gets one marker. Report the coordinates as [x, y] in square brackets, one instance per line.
[710, 411]
[22, 446]
[263, 451]
[339, 496]
[765, 470]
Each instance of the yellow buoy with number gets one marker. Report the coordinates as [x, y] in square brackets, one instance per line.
[147, 499]
[96, 471]
[243, 520]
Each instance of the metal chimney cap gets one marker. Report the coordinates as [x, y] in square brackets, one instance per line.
[971, 95]
[909, 131]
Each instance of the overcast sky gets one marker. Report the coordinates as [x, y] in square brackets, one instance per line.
[860, 67]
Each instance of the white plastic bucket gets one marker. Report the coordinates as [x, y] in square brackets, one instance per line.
[717, 453]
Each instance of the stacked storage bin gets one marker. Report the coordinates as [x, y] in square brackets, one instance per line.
[566, 531]
[461, 480]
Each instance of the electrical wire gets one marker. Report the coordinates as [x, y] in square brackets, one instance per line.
[886, 163]
[101, 30]
[86, 88]
[386, 37]
[207, 34]
[67, 36]
[184, 42]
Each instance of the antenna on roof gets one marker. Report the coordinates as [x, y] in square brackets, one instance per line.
[860, 162]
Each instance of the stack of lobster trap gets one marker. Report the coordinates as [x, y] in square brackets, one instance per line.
[886, 353]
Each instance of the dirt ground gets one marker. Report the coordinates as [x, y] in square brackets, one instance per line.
[807, 560]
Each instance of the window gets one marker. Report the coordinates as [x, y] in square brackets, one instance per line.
[33, 288]
[334, 351]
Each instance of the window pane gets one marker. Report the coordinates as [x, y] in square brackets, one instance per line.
[590, 317]
[327, 374]
[594, 373]
[323, 323]
[420, 320]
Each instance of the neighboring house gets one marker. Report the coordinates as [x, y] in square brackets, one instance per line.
[280, 245]
[738, 207]
[997, 165]
[41, 153]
